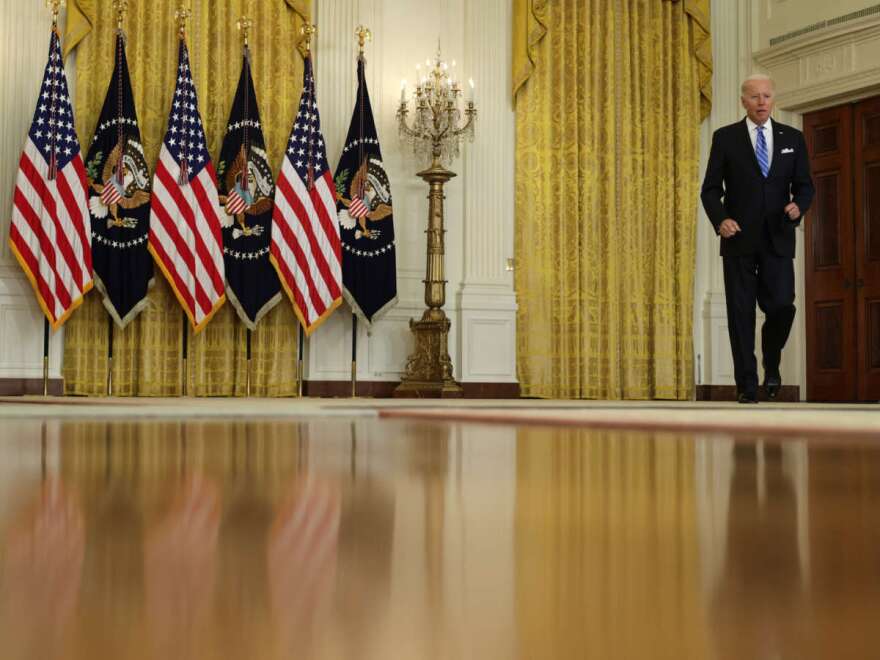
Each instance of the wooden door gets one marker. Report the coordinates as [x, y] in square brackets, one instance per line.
[829, 307]
[867, 240]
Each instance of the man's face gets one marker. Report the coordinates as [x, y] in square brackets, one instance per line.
[758, 100]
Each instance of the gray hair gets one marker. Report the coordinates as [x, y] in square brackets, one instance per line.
[754, 78]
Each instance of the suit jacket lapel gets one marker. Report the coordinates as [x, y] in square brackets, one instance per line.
[746, 141]
[778, 135]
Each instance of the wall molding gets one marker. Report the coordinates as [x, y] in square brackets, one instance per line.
[821, 25]
[30, 386]
[824, 68]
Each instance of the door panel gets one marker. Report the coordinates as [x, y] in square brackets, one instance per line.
[866, 119]
[830, 310]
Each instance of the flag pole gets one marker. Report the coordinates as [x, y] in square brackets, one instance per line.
[354, 354]
[363, 34]
[299, 370]
[55, 5]
[120, 6]
[185, 350]
[307, 31]
[45, 357]
[109, 355]
[248, 387]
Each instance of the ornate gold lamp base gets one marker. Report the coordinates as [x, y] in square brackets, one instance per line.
[429, 368]
[436, 130]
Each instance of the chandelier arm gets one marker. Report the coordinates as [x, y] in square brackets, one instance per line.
[471, 114]
[407, 131]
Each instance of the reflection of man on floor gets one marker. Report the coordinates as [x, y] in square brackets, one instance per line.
[759, 607]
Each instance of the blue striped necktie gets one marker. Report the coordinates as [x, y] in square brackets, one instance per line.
[761, 152]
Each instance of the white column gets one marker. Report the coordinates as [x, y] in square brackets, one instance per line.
[328, 351]
[731, 37]
[487, 327]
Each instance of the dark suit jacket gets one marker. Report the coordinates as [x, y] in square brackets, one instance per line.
[735, 188]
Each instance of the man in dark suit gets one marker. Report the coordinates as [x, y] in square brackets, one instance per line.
[756, 190]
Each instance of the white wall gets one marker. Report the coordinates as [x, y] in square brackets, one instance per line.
[24, 47]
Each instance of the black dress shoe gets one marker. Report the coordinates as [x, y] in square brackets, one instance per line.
[772, 384]
[747, 397]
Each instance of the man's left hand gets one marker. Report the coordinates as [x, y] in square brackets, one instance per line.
[793, 211]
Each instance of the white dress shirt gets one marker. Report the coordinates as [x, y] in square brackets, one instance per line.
[768, 137]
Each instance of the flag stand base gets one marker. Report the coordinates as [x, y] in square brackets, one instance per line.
[429, 368]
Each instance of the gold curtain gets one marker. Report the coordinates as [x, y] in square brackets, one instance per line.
[609, 96]
[613, 541]
[147, 354]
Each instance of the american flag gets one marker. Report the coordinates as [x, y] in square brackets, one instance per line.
[305, 246]
[185, 236]
[50, 232]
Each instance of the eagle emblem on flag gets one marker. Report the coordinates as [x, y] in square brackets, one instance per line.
[369, 198]
[251, 188]
[123, 184]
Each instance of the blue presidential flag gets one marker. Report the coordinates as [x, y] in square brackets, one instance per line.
[119, 200]
[365, 214]
[246, 187]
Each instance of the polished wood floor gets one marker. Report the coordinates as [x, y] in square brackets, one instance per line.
[365, 538]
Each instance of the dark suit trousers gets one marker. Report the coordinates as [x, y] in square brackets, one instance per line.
[768, 280]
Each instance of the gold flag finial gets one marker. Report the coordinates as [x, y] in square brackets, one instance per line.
[55, 6]
[364, 35]
[121, 6]
[182, 15]
[307, 30]
[244, 25]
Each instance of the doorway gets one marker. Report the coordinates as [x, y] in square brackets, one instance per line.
[842, 253]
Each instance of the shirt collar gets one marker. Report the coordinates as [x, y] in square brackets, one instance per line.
[752, 125]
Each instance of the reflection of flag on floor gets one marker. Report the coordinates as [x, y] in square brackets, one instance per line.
[50, 228]
[364, 210]
[305, 237]
[185, 234]
[246, 188]
[119, 189]
[302, 551]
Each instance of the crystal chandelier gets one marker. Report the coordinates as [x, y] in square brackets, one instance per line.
[436, 131]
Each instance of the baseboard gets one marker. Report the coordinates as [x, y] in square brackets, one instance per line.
[22, 386]
[385, 389]
[373, 389]
[491, 390]
[314, 388]
[787, 393]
